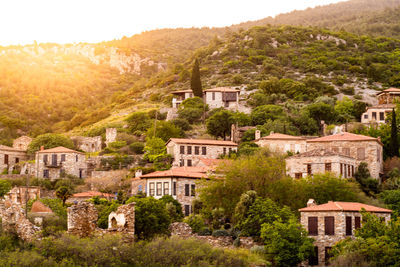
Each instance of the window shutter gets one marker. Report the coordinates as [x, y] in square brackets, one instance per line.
[312, 225]
[187, 210]
[349, 225]
[187, 190]
[329, 225]
[193, 191]
[313, 260]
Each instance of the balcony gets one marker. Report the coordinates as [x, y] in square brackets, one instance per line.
[53, 164]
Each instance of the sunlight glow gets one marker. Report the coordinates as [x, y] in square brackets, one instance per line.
[67, 21]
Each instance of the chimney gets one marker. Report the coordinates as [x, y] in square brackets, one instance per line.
[258, 134]
[41, 148]
[138, 173]
[311, 202]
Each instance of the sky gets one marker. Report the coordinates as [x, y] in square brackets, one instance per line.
[69, 21]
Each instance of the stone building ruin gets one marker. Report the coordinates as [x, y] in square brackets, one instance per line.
[111, 135]
[88, 144]
[123, 220]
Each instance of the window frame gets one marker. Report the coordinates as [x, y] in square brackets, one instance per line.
[166, 188]
[329, 225]
[152, 189]
[158, 189]
[187, 190]
[312, 222]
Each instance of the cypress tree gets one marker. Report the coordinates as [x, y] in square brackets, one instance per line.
[394, 143]
[195, 82]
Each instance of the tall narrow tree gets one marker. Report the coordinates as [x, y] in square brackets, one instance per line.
[394, 142]
[195, 82]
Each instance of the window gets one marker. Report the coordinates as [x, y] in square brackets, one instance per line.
[189, 162]
[54, 159]
[313, 260]
[327, 254]
[174, 189]
[159, 188]
[374, 115]
[187, 190]
[298, 175]
[204, 150]
[381, 116]
[312, 225]
[329, 225]
[187, 210]
[213, 96]
[62, 157]
[328, 167]
[346, 151]
[45, 173]
[151, 189]
[182, 163]
[349, 225]
[357, 222]
[348, 170]
[76, 158]
[140, 188]
[166, 188]
[5, 159]
[45, 159]
[193, 190]
[230, 150]
[352, 171]
[182, 149]
[309, 170]
[189, 150]
[196, 150]
[361, 153]
[16, 160]
[341, 168]
[366, 116]
[80, 173]
[224, 150]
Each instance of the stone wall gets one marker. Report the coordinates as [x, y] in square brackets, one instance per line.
[9, 158]
[138, 185]
[74, 164]
[13, 220]
[82, 219]
[21, 194]
[22, 143]
[88, 144]
[123, 220]
[283, 146]
[111, 135]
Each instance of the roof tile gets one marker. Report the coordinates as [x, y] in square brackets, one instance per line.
[345, 136]
[202, 142]
[344, 206]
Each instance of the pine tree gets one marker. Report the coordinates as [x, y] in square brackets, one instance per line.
[195, 83]
[394, 143]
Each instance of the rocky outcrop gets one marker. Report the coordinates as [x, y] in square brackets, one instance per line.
[13, 220]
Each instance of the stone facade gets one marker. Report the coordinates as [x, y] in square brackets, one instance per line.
[13, 220]
[224, 97]
[320, 161]
[188, 152]
[22, 143]
[344, 218]
[123, 220]
[282, 143]
[388, 96]
[52, 163]
[88, 144]
[10, 157]
[22, 194]
[111, 135]
[369, 150]
[82, 219]
[238, 132]
[377, 114]
[180, 96]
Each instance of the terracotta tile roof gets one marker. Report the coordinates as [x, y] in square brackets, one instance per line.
[38, 206]
[390, 90]
[279, 136]
[344, 137]
[186, 172]
[182, 91]
[344, 206]
[59, 149]
[90, 194]
[212, 162]
[383, 106]
[319, 153]
[222, 89]
[202, 142]
[8, 148]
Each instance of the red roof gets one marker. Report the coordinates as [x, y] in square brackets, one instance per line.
[390, 90]
[59, 149]
[186, 172]
[202, 142]
[344, 206]
[344, 137]
[222, 89]
[90, 194]
[182, 91]
[279, 136]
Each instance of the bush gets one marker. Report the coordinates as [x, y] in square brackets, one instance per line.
[205, 231]
[137, 147]
[221, 232]
[50, 140]
[196, 222]
[182, 123]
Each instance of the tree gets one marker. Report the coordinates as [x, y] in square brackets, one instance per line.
[345, 109]
[261, 114]
[63, 193]
[195, 82]
[286, 242]
[173, 207]
[368, 184]
[192, 109]
[394, 141]
[138, 121]
[164, 130]
[49, 140]
[151, 217]
[220, 123]
[5, 187]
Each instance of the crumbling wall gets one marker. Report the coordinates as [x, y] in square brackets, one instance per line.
[13, 220]
[111, 135]
[123, 220]
[82, 218]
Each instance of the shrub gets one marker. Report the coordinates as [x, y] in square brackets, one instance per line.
[220, 232]
[205, 231]
[49, 140]
[196, 222]
[182, 123]
[5, 186]
[236, 242]
[137, 147]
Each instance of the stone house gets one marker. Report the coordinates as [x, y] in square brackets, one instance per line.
[388, 96]
[188, 152]
[224, 97]
[281, 143]
[360, 147]
[54, 162]
[22, 143]
[320, 161]
[111, 135]
[10, 157]
[22, 194]
[88, 144]
[179, 182]
[386, 103]
[331, 222]
[83, 196]
[180, 96]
